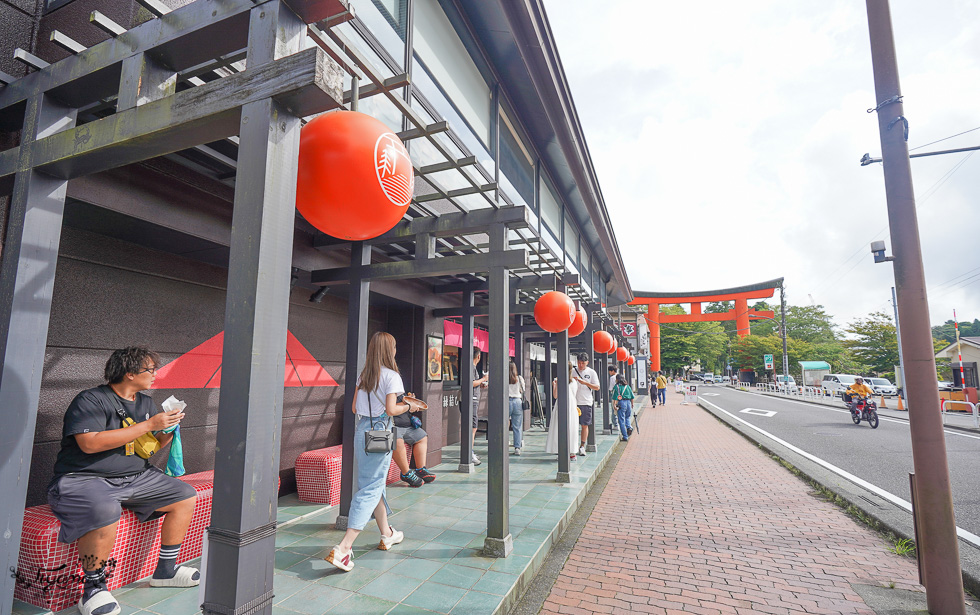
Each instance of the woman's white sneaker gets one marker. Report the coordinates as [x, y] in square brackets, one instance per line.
[340, 559]
[388, 542]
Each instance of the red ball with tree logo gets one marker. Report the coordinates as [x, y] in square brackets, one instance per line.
[355, 178]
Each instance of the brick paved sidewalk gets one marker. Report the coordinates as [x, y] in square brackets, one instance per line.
[696, 519]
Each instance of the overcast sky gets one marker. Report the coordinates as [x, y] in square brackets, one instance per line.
[726, 136]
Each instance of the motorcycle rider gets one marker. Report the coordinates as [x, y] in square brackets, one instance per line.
[857, 391]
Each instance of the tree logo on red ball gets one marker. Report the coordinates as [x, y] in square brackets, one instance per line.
[394, 169]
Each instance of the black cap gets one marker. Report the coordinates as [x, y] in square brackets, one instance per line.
[583, 356]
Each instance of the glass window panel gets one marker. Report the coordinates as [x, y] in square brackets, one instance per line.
[550, 206]
[385, 19]
[444, 55]
[516, 164]
[571, 243]
[383, 109]
[379, 65]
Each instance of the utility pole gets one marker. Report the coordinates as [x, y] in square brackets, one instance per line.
[939, 549]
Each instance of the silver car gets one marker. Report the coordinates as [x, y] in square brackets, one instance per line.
[882, 386]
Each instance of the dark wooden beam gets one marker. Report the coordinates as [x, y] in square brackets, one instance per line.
[304, 83]
[482, 310]
[525, 283]
[450, 265]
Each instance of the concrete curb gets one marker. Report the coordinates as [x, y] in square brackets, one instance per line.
[888, 515]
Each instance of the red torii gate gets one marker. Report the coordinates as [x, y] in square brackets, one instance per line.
[742, 315]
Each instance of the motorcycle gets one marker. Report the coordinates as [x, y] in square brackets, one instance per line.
[867, 409]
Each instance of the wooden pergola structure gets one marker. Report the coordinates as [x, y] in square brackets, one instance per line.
[742, 314]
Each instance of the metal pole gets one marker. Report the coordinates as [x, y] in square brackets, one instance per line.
[939, 546]
[959, 350]
[563, 405]
[782, 302]
[898, 334]
[467, 409]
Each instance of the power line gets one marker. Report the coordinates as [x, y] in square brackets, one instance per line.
[944, 139]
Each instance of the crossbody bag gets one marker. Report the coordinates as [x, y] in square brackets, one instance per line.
[145, 445]
[378, 440]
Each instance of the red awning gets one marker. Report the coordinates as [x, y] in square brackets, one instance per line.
[481, 339]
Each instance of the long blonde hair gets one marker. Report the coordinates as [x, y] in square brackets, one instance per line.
[380, 353]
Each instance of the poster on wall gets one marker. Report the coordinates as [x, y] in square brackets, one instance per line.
[433, 358]
[641, 372]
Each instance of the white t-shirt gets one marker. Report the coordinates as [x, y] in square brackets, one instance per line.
[583, 397]
[612, 381]
[516, 389]
[373, 404]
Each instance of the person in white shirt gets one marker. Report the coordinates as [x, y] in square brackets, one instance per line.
[515, 394]
[551, 445]
[588, 381]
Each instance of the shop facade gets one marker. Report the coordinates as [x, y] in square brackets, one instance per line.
[147, 249]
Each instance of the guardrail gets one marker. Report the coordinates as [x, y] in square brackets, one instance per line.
[973, 408]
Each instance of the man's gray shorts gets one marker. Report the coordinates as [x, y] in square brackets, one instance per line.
[85, 503]
[412, 436]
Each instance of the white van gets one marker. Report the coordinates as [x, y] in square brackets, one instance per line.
[836, 384]
[786, 383]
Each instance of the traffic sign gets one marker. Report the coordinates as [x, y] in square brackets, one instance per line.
[768, 360]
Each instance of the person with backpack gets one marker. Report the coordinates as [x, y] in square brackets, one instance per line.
[622, 394]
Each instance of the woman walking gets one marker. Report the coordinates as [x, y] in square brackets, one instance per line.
[622, 394]
[552, 444]
[378, 394]
[515, 393]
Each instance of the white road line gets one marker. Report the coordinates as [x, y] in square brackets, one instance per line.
[894, 499]
[831, 408]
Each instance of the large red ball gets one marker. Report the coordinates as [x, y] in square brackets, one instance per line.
[631, 360]
[622, 354]
[554, 311]
[602, 341]
[612, 349]
[355, 177]
[580, 322]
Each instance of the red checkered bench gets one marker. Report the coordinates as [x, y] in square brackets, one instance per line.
[49, 570]
[318, 474]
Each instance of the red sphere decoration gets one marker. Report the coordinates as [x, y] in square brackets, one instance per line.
[614, 347]
[631, 360]
[355, 177]
[602, 341]
[554, 312]
[622, 354]
[579, 324]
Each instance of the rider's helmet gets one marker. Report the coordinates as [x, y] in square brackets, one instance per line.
[859, 380]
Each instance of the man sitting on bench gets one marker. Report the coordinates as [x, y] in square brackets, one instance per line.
[99, 471]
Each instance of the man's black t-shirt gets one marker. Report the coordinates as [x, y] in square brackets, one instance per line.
[91, 411]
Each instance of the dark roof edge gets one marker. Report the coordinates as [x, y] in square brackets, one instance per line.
[777, 283]
[536, 45]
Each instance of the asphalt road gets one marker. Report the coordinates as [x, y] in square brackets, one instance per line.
[881, 457]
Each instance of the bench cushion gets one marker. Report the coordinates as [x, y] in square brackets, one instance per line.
[318, 474]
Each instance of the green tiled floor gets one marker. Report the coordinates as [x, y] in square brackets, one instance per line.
[439, 568]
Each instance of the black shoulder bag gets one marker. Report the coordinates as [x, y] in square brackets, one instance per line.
[378, 440]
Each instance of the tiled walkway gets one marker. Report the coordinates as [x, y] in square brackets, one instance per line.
[696, 519]
[438, 568]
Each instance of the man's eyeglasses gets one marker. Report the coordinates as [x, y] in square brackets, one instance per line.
[152, 370]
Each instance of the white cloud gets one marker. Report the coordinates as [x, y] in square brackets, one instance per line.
[727, 136]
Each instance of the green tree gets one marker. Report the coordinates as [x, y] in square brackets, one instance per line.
[682, 344]
[874, 343]
[809, 323]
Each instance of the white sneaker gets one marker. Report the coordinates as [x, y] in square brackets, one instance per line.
[517, 451]
[103, 599]
[340, 559]
[388, 542]
[581, 451]
[476, 460]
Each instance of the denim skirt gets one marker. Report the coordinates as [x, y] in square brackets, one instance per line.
[372, 475]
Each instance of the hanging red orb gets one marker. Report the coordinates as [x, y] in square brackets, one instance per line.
[614, 347]
[554, 311]
[631, 360]
[355, 177]
[602, 341]
[622, 354]
[580, 322]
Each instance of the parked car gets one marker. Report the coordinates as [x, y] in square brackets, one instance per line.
[882, 386]
[836, 384]
[719, 378]
[785, 383]
[945, 385]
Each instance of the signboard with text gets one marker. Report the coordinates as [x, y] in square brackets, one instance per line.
[691, 394]
[629, 329]
[768, 360]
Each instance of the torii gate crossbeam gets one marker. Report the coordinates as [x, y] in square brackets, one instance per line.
[742, 315]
